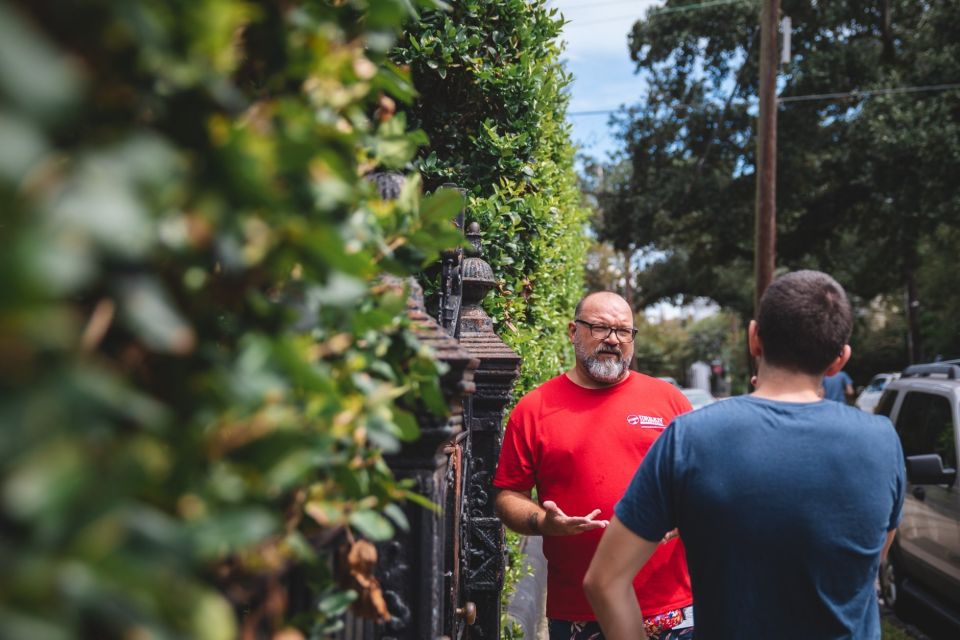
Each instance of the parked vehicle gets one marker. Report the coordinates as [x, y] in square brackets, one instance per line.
[669, 379]
[698, 397]
[924, 563]
[868, 398]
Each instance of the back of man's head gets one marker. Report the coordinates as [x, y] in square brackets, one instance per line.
[804, 322]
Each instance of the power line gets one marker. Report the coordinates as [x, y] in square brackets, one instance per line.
[695, 7]
[661, 10]
[591, 5]
[602, 112]
[865, 93]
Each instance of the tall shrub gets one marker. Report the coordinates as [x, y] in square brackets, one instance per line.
[198, 367]
[491, 98]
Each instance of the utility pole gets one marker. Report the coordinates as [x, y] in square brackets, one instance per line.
[766, 207]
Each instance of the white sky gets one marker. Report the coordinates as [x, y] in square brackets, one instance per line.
[597, 56]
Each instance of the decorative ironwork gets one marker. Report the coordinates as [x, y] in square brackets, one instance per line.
[442, 577]
[451, 278]
[494, 377]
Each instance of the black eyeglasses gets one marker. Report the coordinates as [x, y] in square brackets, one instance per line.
[602, 332]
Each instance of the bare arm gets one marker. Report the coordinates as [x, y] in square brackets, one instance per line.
[519, 512]
[609, 581]
[886, 545]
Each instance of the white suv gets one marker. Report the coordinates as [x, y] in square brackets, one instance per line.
[870, 396]
[924, 405]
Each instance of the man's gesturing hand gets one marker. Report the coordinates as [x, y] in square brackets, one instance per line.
[556, 523]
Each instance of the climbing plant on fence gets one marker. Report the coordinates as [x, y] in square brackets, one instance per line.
[198, 366]
[492, 102]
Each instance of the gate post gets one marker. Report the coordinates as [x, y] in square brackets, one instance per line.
[499, 367]
[412, 564]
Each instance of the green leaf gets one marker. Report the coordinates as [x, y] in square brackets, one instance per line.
[409, 429]
[151, 314]
[213, 618]
[423, 501]
[23, 145]
[443, 204]
[32, 73]
[396, 514]
[336, 603]
[223, 533]
[372, 525]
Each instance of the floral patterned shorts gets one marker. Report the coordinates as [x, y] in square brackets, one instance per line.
[662, 626]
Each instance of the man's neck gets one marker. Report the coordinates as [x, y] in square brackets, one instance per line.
[581, 379]
[774, 383]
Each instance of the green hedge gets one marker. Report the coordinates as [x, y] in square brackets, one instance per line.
[198, 367]
[492, 102]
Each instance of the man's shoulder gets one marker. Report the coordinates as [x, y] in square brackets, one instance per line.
[729, 412]
[552, 385]
[533, 399]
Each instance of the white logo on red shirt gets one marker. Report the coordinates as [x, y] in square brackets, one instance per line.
[646, 422]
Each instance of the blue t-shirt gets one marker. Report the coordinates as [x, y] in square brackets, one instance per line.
[783, 508]
[834, 387]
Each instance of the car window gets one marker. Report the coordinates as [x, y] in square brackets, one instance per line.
[925, 425]
[885, 406]
[878, 383]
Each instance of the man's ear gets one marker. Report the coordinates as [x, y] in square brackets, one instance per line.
[753, 340]
[571, 330]
[839, 362]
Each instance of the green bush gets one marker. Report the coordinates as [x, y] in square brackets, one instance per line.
[198, 366]
[492, 102]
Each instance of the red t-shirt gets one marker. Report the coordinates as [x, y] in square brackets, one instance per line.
[580, 448]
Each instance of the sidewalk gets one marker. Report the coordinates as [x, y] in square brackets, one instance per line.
[528, 605]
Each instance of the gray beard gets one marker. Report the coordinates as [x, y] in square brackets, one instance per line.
[602, 370]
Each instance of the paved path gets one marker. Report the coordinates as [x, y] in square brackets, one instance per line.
[528, 605]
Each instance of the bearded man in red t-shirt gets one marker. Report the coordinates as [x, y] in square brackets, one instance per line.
[578, 439]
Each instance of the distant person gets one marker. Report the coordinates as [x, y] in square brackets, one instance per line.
[698, 375]
[838, 387]
[785, 502]
[577, 439]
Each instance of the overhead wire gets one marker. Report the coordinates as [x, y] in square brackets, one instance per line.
[658, 11]
[866, 93]
[862, 93]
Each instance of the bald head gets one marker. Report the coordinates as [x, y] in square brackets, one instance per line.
[603, 358]
[603, 299]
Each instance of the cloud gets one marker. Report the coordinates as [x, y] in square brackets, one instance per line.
[597, 56]
[599, 27]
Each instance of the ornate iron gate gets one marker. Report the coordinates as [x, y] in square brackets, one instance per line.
[442, 578]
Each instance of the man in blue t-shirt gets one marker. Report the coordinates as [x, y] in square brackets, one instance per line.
[838, 387]
[785, 502]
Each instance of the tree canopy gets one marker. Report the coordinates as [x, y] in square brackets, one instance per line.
[865, 186]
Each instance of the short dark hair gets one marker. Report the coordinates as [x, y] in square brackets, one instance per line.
[805, 319]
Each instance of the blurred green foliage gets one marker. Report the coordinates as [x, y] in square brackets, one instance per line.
[199, 368]
[492, 101]
[669, 347]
